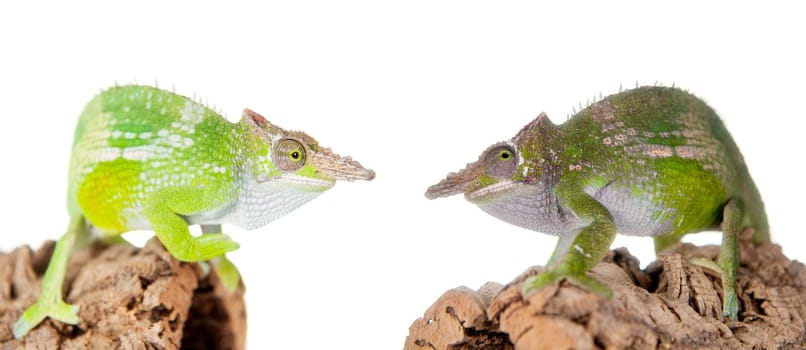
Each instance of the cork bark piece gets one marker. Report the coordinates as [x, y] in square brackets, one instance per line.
[672, 304]
[129, 298]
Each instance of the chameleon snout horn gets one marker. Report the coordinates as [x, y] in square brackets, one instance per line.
[341, 168]
[454, 183]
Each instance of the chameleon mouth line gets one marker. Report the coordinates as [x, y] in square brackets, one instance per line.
[489, 191]
[306, 181]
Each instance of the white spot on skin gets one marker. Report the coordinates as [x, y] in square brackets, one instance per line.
[192, 113]
[163, 133]
[129, 135]
[581, 251]
[658, 151]
[145, 135]
[106, 154]
[138, 153]
[117, 134]
[688, 152]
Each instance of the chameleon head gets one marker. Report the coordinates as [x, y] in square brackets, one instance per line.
[295, 160]
[493, 175]
[505, 180]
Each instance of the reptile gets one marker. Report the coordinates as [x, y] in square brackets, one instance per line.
[149, 159]
[651, 161]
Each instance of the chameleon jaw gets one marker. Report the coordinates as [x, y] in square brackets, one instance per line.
[491, 192]
[306, 183]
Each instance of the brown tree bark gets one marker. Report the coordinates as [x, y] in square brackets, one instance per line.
[672, 304]
[130, 298]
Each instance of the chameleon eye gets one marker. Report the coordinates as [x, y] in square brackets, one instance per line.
[501, 161]
[289, 155]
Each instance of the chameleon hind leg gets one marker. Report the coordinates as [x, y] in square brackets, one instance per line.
[576, 253]
[665, 241]
[50, 302]
[728, 261]
[226, 270]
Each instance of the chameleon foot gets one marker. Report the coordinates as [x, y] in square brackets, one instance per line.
[227, 273]
[535, 283]
[45, 307]
[204, 247]
[730, 301]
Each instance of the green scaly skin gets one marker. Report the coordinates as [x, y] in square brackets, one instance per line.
[652, 161]
[149, 159]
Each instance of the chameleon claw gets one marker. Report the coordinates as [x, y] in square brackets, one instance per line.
[535, 283]
[538, 282]
[590, 284]
[730, 301]
[36, 313]
[730, 307]
[228, 274]
[204, 247]
[205, 267]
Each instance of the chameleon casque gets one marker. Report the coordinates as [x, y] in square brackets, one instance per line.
[651, 161]
[149, 159]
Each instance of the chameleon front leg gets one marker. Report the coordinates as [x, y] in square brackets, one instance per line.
[577, 252]
[226, 270]
[50, 302]
[162, 209]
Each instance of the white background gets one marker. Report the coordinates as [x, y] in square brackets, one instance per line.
[411, 89]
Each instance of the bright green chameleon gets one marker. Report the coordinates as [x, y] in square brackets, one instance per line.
[148, 159]
[652, 161]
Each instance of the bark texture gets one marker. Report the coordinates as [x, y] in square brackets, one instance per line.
[672, 304]
[130, 298]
